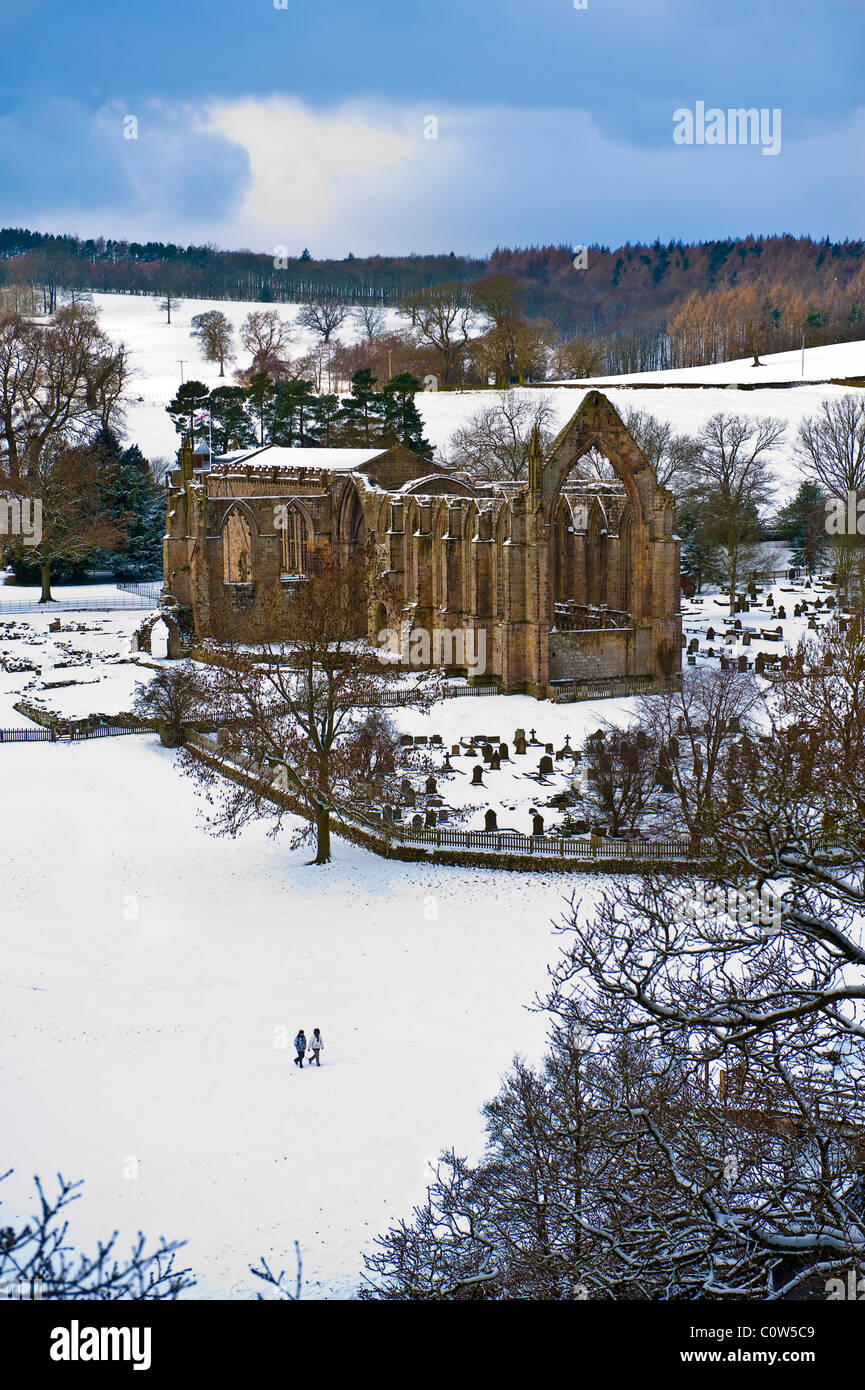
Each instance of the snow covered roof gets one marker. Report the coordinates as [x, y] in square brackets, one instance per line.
[276, 456]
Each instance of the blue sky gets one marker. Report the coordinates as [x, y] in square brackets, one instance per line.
[308, 125]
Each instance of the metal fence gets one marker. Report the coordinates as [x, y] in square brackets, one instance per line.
[77, 605]
[566, 692]
[146, 589]
[71, 733]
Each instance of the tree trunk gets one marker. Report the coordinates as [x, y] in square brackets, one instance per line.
[322, 834]
[45, 572]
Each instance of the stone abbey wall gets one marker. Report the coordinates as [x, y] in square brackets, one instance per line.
[562, 577]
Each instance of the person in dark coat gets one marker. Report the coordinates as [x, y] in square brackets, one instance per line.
[300, 1046]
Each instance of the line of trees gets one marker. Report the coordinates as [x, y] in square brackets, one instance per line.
[633, 308]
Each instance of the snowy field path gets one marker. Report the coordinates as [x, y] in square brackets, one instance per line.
[155, 1037]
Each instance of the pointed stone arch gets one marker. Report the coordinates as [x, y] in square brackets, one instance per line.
[238, 534]
[297, 538]
[597, 423]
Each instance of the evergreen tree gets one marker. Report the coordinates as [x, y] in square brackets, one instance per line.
[402, 421]
[802, 525]
[363, 411]
[259, 394]
[136, 505]
[291, 414]
[231, 425]
[328, 422]
[191, 398]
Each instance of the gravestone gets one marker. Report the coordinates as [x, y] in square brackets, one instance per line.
[710, 634]
[443, 814]
[812, 625]
[782, 612]
[537, 823]
[742, 665]
[548, 748]
[477, 776]
[495, 763]
[436, 739]
[430, 785]
[693, 645]
[520, 746]
[430, 819]
[490, 822]
[546, 765]
[532, 738]
[487, 752]
[519, 734]
[692, 660]
[406, 740]
[417, 822]
[746, 639]
[420, 739]
[455, 750]
[55, 626]
[504, 756]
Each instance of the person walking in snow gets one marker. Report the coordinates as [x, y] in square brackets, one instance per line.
[316, 1043]
[300, 1047]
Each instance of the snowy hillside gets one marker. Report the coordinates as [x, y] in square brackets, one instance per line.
[157, 350]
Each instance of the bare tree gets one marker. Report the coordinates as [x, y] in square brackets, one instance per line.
[673, 456]
[494, 444]
[265, 336]
[75, 523]
[731, 479]
[39, 1258]
[59, 383]
[169, 302]
[620, 776]
[578, 358]
[215, 335]
[304, 707]
[441, 316]
[324, 316]
[372, 318]
[831, 450]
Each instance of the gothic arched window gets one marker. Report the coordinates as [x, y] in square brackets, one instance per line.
[294, 542]
[236, 548]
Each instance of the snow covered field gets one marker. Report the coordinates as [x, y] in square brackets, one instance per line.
[157, 349]
[154, 978]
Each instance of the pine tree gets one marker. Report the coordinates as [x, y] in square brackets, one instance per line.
[191, 398]
[291, 414]
[363, 411]
[231, 426]
[402, 421]
[802, 525]
[328, 422]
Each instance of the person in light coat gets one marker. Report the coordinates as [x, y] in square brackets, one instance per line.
[316, 1043]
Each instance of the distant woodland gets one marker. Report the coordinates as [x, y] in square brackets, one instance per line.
[629, 309]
